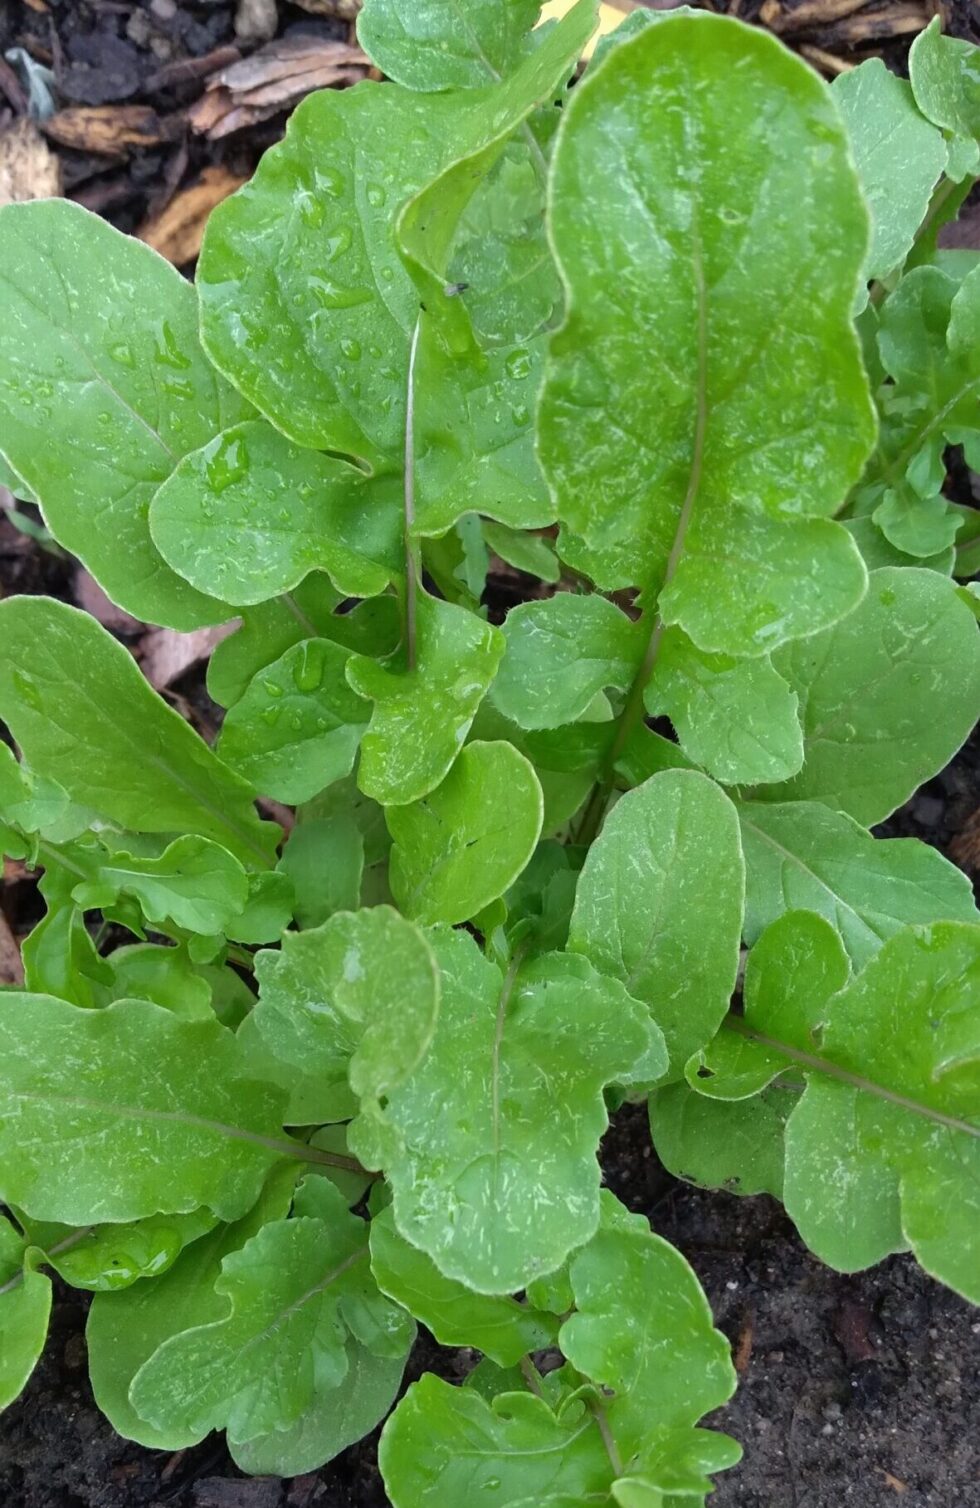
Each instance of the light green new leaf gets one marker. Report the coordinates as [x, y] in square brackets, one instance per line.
[357, 997]
[293, 1289]
[434, 44]
[736, 718]
[125, 1329]
[500, 1327]
[945, 79]
[886, 128]
[25, 1307]
[659, 1376]
[105, 388]
[83, 715]
[125, 1112]
[422, 716]
[531, 553]
[194, 884]
[446, 1445]
[464, 844]
[107, 1258]
[338, 1416]
[163, 974]
[560, 653]
[795, 968]
[297, 728]
[736, 1145]
[883, 1149]
[659, 904]
[495, 1182]
[802, 855]
[324, 859]
[886, 697]
[251, 514]
[754, 409]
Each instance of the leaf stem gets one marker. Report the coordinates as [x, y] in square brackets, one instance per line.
[612, 1449]
[831, 1070]
[531, 1375]
[65, 1244]
[411, 559]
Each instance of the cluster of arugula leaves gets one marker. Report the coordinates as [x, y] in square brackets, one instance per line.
[447, 312]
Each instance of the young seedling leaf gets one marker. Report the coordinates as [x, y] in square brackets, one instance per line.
[422, 716]
[659, 904]
[736, 1145]
[736, 718]
[106, 389]
[161, 1114]
[83, 715]
[802, 854]
[357, 997]
[464, 844]
[297, 728]
[754, 399]
[194, 884]
[946, 82]
[560, 653]
[491, 1181]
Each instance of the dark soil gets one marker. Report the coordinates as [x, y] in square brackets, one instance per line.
[855, 1391]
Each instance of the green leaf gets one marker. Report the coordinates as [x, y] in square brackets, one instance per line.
[530, 553]
[165, 975]
[501, 1328]
[658, 1377]
[125, 1329]
[107, 1258]
[251, 514]
[886, 128]
[421, 716]
[883, 1148]
[324, 859]
[449, 1445]
[194, 884]
[886, 697]
[659, 904]
[159, 1114]
[83, 715]
[337, 1417]
[464, 844]
[736, 1145]
[737, 718]
[754, 398]
[25, 1307]
[946, 82]
[802, 855]
[358, 996]
[795, 968]
[106, 388]
[434, 45]
[297, 728]
[491, 1180]
[294, 1290]
[560, 653]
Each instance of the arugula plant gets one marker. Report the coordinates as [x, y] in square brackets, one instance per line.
[274, 1093]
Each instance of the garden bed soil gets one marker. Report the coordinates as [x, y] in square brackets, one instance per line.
[860, 1390]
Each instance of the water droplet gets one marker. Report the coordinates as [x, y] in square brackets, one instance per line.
[351, 349]
[387, 274]
[337, 242]
[330, 181]
[122, 353]
[27, 690]
[334, 296]
[272, 688]
[169, 353]
[178, 387]
[270, 715]
[491, 1484]
[376, 195]
[518, 364]
[305, 491]
[311, 211]
[309, 666]
[520, 415]
[225, 461]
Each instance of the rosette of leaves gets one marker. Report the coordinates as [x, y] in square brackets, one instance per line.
[676, 341]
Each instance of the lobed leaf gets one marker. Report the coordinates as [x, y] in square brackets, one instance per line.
[194, 884]
[83, 715]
